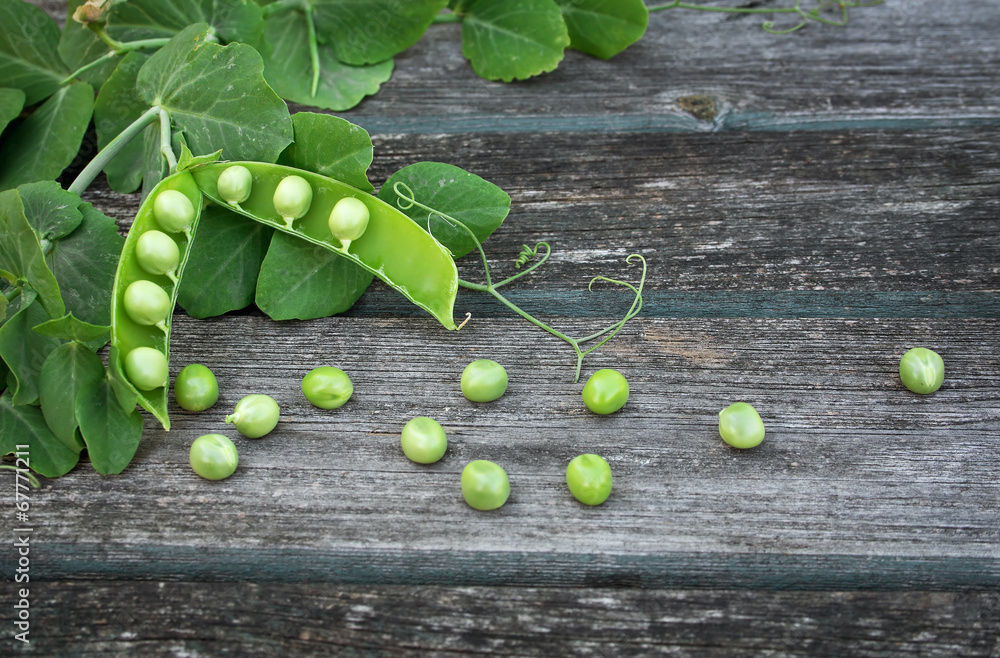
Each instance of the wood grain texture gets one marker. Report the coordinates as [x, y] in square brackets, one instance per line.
[114, 618]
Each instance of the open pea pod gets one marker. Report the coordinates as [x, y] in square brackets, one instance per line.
[392, 247]
[146, 286]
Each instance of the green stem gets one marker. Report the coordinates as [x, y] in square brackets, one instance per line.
[98, 29]
[452, 17]
[28, 474]
[313, 47]
[101, 160]
[123, 49]
[166, 150]
[281, 5]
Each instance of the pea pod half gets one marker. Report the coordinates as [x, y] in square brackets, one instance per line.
[140, 322]
[392, 247]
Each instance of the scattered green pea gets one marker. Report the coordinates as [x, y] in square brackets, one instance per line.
[740, 425]
[146, 368]
[235, 184]
[147, 303]
[196, 388]
[327, 387]
[484, 380]
[214, 457]
[255, 415]
[485, 485]
[423, 440]
[589, 479]
[173, 211]
[292, 198]
[921, 370]
[157, 253]
[605, 392]
[348, 220]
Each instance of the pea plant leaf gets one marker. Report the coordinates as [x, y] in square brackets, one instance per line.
[11, 104]
[24, 351]
[288, 67]
[22, 424]
[50, 210]
[69, 327]
[45, 143]
[69, 369]
[330, 146]
[187, 159]
[84, 263]
[29, 42]
[21, 257]
[513, 39]
[224, 262]
[604, 28]
[370, 31]
[477, 203]
[301, 281]
[118, 105]
[112, 434]
[217, 96]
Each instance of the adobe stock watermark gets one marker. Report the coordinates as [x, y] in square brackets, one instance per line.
[22, 545]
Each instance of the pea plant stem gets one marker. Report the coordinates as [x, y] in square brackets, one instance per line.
[101, 160]
[452, 17]
[118, 48]
[313, 47]
[166, 150]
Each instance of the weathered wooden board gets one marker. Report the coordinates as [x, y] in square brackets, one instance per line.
[290, 620]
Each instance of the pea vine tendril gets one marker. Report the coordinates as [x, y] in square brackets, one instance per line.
[805, 16]
[28, 474]
[407, 200]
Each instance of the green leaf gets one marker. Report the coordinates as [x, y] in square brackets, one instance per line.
[477, 203]
[51, 210]
[112, 434]
[68, 327]
[29, 41]
[371, 31]
[22, 424]
[117, 106]
[604, 28]
[125, 393]
[301, 281]
[69, 369]
[288, 68]
[217, 96]
[11, 104]
[186, 160]
[24, 351]
[84, 263]
[330, 146]
[233, 20]
[21, 256]
[45, 143]
[513, 39]
[222, 268]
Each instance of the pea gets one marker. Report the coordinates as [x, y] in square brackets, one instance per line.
[235, 184]
[423, 440]
[921, 370]
[485, 485]
[255, 416]
[327, 387]
[740, 425]
[348, 220]
[196, 388]
[146, 368]
[147, 303]
[173, 211]
[484, 380]
[605, 392]
[157, 253]
[589, 479]
[292, 198]
[214, 457]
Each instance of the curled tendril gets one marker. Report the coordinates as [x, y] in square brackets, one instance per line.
[28, 474]
[527, 253]
[805, 16]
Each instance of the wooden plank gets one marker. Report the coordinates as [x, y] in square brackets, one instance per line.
[169, 619]
[859, 483]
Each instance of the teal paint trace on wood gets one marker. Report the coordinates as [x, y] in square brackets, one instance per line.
[716, 304]
[669, 123]
[402, 567]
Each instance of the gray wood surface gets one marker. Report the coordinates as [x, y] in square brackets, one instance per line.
[841, 205]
